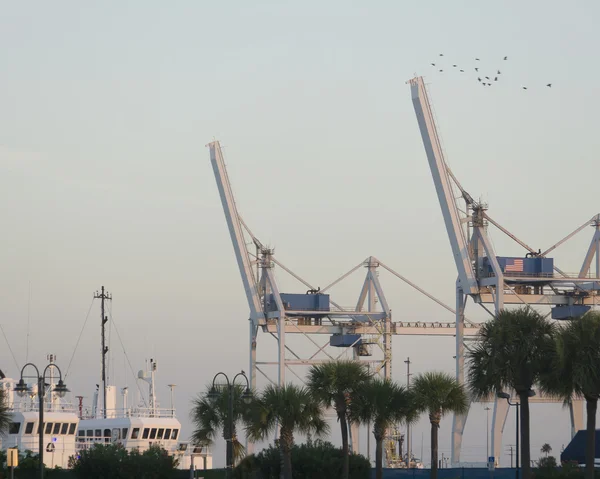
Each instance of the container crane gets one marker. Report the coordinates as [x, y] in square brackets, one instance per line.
[533, 279]
[364, 329]
[306, 313]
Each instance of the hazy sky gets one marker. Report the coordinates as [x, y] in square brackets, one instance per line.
[106, 108]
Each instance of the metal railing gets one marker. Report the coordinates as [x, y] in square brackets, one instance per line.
[137, 412]
[511, 274]
[48, 407]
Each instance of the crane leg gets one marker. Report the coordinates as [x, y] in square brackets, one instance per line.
[281, 344]
[576, 413]
[252, 372]
[498, 422]
[459, 421]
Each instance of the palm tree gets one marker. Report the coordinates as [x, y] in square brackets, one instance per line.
[512, 352]
[210, 416]
[575, 371]
[334, 384]
[5, 418]
[383, 403]
[438, 393]
[293, 409]
[546, 449]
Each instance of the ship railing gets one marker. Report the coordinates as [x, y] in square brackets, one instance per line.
[135, 412]
[48, 407]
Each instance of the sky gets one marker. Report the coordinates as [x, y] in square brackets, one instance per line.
[106, 109]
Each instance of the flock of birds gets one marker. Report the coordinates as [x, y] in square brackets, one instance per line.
[487, 79]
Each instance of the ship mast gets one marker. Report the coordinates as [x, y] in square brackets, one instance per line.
[104, 295]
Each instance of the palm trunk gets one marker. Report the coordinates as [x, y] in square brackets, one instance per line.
[525, 441]
[378, 455]
[591, 405]
[286, 442]
[234, 440]
[345, 449]
[435, 425]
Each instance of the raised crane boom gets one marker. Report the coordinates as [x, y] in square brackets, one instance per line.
[441, 179]
[236, 232]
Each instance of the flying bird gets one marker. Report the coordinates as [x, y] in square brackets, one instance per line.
[454, 66]
[499, 72]
[549, 85]
[441, 71]
[489, 84]
[478, 79]
[487, 78]
[506, 58]
[462, 71]
[441, 54]
[433, 64]
[524, 88]
[476, 69]
[496, 79]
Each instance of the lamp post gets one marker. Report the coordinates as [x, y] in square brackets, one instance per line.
[246, 397]
[22, 389]
[503, 395]
[487, 432]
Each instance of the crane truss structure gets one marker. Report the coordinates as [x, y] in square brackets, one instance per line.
[483, 278]
[365, 329]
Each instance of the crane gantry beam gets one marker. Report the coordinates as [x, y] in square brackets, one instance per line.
[480, 275]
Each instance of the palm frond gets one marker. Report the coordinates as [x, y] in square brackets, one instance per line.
[574, 368]
[5, 417]
[512, 351]
[333, 382]
[382, 402]
[290, 406]
[438, 392]
[210, 415]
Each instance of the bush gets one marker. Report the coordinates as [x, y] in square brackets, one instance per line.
[547, 462]
[568, 470]
[115, 462]
[314, 460]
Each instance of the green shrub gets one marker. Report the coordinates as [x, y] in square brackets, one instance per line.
[568, 470]
[547, 462]
[115, 462]
[314, 460]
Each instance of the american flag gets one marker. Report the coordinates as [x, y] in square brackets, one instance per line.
[514, 266]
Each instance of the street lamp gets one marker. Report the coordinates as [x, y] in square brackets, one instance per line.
[487, 432]
[60, 390]
[503, 395]
[246, 397]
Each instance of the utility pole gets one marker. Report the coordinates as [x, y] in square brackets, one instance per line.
[80, 398]
[408, 441]
[104, 295]
[511, 456]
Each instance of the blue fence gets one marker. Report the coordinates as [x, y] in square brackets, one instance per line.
[450, 473]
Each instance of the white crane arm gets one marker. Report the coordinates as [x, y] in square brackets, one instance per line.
[441, 179]
[236, 232]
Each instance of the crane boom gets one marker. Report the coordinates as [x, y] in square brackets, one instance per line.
[441, 179]
[236, 232]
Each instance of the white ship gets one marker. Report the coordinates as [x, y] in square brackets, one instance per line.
[60, 422]
[139, 426]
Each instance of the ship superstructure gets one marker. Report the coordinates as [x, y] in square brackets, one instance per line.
[60, 422]
[137, 426]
